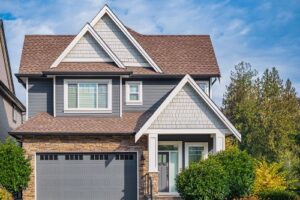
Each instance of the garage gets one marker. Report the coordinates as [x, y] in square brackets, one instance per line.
[89, 176]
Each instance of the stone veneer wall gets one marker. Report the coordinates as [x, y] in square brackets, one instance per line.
[33, 145]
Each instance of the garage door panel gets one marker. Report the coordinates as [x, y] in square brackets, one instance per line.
[89, 177]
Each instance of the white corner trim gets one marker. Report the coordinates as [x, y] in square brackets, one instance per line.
[188, 79]
[54, 96]
[195, 144]
[140, 93]
[107, 10]
[84, 30]
[153, 153]
[27, 100]
[87, 110]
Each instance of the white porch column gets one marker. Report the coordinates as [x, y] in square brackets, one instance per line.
[219, 142]
[153, 152]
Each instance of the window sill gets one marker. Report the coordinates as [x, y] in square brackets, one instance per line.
[87, 111]
[169, 194]
[134, 103]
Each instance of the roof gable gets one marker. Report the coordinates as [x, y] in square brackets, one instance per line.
[114, 39]
[87, 29]
[119, 39]
[87, 50]
[187, 92]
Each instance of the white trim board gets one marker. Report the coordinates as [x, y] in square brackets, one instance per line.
[84, 30]
[107, 10]
[188, 79]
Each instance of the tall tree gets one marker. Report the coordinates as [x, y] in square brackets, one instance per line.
[239, 102]
[264, 110]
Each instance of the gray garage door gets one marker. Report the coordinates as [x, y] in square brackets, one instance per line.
[101, 176]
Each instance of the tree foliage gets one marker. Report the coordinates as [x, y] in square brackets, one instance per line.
[265, 110]
[14, 167]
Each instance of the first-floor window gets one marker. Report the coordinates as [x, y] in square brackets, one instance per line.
[194, 152]
[14, 114]
[88, 95]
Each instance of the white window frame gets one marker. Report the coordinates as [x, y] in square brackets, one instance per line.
[140, 93]
[88, 110]
[207, 88]
[179, 144]
[194, 144]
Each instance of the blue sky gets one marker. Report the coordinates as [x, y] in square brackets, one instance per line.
[264, 33]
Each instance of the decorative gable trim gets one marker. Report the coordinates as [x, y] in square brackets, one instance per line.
[107, 10]
[84, 30]
[207, 100]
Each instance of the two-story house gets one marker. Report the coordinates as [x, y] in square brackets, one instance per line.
[115, 114]
[11, 109]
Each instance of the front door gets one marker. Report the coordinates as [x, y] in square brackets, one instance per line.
[163, 168]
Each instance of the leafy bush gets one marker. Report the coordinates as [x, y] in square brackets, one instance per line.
[240, 167]
[204, 180]
[277, 195]
[5, 195]
[14, 167]
[269, 177]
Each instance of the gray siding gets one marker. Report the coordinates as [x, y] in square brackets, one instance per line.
[40, 96]
[154, 92]
[60, 97]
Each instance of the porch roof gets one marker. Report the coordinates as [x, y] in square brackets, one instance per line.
[45, 124]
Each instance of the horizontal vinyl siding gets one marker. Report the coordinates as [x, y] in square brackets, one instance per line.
[154, 92]
[60, 97]
[40, 96]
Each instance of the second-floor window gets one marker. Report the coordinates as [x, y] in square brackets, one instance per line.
[204, 85]
[88, 95]
[134, 93]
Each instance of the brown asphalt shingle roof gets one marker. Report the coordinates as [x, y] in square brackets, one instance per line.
[44, 123]
[174, 54]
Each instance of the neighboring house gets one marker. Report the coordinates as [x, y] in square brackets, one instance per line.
[11, 108]
[112, 112]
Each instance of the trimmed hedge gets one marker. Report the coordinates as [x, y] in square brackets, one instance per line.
[5, 195]
[202, 181]
[240, 167]
[277, 195]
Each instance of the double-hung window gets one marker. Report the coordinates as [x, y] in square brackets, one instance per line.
[88, 95]
[134, 93]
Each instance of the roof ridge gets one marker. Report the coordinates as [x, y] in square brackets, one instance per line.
[49, 35]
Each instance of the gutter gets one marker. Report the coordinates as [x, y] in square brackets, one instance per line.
[6, 93]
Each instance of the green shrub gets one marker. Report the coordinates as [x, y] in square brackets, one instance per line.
[277, 195]
[204, 180]
[14, 167]
[240, 167]
[5, 195]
